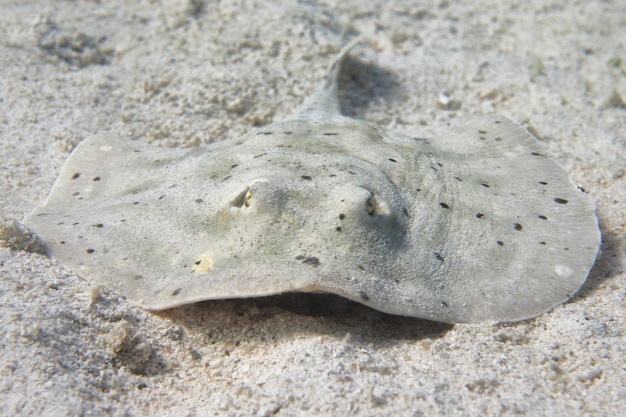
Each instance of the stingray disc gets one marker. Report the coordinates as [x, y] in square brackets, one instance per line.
[479, 225]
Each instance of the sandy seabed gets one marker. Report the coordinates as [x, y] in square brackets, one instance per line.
[185, 73]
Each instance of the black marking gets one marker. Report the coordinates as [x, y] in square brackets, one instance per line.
[259, 155]
[480, 215]
[582, 189]
[161, 197]
[95, 179]
[543, 183]
[458, 179]
[439, 257]
[444, 304]
[288, 132]
[565, 249]
[406, 212]
[444, 205]
[90, 251]
[75, 224]
[499, 242]
[561, 200]
[199, 200]
[364, 295]
[360, 267]
[342, 216]
[76, 193]
[176, 291]
[518, 227]
[313, 261]
[99, 225]
[338, 228]
[536, 154]
[392, 160]
[306, 177]
[62, 242]
[197, 262]
[484, 184]
[499, 139]
[542, 217]
[135, 203]
[330, 134]
[497, 122]
[75, 175]
[234, 166]
[267, 133]
[482, 132]
[138, 277]
[542, 243]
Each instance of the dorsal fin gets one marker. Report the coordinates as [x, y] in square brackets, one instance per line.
[324, 102]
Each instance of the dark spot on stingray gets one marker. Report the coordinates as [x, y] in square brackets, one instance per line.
[99, 225]
[482, 132]
[542, 243]
[135, 203]
[561, 200]
[197, 263]
[75, 224]
[75, 175]
[312, 260]
[161, 197]
[260, 155]
[444, 205]
[330, 134]
[582, 189]
[392, 160]
[342, 216]
[234, 166]
[226, 178]
[518, 227]
[62, 242]
[199, 200]
[267, 133]
[458, 179]
[364, 295]
[480, 215]
[138, 277]
[439, 164]
[543, 183]
[96, 179]
[536, 154]
[353, 173]
[300, 257]
[306, 177]
[418, 190]
[76, 193]
[499, 139]
[406, 212]
[338, 228]
[498, 122]
[565, 249]
[332, 175]
[288, 132]
[444, 304]
[90, 251]
[482, 138]
[542, 217]
[136, 150]
[176, 291]
[360, 267]
[500, 243]
[439, 257]
[484, 184]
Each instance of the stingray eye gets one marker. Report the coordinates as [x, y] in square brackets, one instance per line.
[248, 198]
[371, 206]
[243, 198]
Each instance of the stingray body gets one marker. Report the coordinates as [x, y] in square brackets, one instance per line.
[477, 226]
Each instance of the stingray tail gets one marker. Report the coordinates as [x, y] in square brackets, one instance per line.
[325, 101]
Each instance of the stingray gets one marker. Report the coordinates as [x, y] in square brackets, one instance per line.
[479, 225]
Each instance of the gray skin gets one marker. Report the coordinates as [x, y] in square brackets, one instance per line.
[476, 226]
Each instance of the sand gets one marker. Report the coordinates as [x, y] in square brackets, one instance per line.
[183, 73]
